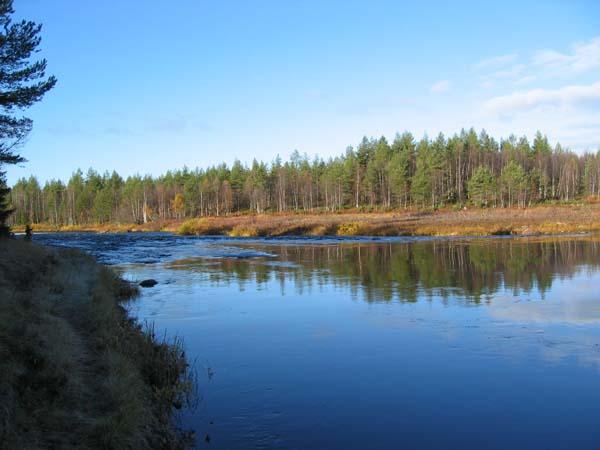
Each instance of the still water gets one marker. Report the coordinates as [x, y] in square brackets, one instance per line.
[377, 343]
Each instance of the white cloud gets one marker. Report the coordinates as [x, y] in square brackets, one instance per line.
[440, 86]
[496, 61]
[526, 79]
[549, 63]
[584, 56]
[557, 110]
[524, 100]
[511, 72]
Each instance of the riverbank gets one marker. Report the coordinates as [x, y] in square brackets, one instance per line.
[538, 220]
[77, 371]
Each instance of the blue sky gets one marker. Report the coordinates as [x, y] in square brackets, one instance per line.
[147, 86]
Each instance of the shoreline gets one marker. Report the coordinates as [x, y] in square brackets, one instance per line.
[538, 220]
[77, 369]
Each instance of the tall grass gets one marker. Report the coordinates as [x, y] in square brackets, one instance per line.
[77, 372]
[540, 219]
[548, 219]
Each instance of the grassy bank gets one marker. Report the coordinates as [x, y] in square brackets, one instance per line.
[478, 222]
[77, 372]
[538, 220]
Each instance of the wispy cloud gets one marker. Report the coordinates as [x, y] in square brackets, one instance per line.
[511, 72]
[526, 79]
[67, 129]
[117, 130]
[548, 63]
[496, 61]
[172, 123]
[583, 57]
[440, 86]
[314, 94]
[524, 100]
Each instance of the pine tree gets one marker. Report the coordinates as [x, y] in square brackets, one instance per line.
[22, 83]
[422, 179]
[513, 181]
[5, 208]
[482, 186]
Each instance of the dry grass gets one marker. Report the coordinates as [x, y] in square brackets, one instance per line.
[244, 231]
[95, 228]
[77, 372]
[543, 219]
[476, 222]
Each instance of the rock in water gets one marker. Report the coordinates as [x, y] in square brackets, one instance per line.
[148, 283]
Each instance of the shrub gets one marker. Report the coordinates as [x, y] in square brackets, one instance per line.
[349, 229]
[244, 231]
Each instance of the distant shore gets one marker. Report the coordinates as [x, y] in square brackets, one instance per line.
[77, 371]
[536, 220]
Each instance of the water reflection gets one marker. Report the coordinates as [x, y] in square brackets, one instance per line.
[428, 344]
[469, 271]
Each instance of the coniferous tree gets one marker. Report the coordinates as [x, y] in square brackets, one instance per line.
[427, 174]
[482, 186]
[22, 83]
[513, 182]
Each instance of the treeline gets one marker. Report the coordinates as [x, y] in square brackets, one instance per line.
[428, 173]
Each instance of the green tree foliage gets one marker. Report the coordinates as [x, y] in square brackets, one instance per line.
[514, 184]
[421, 186]
[375, 176]
[482, 187]
[22, 83]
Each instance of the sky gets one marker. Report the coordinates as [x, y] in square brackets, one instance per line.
[145, 86]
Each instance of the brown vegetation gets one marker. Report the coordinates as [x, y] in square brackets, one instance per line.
[77, 372]
[548, 219]
[478, 222]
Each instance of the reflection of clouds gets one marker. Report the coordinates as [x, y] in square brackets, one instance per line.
[591, 358]
[569, 319]
[585, 349]
[499, 339]
[578, 310]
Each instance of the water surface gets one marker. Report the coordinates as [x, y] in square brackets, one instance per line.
[377, 343]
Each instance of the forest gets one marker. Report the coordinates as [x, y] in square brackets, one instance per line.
[465, 169]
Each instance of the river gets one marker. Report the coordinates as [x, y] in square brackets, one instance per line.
[375, 343]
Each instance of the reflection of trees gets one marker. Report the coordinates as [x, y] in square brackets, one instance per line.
[386, 271]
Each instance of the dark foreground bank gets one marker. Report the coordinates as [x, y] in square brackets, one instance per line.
[77, 372]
